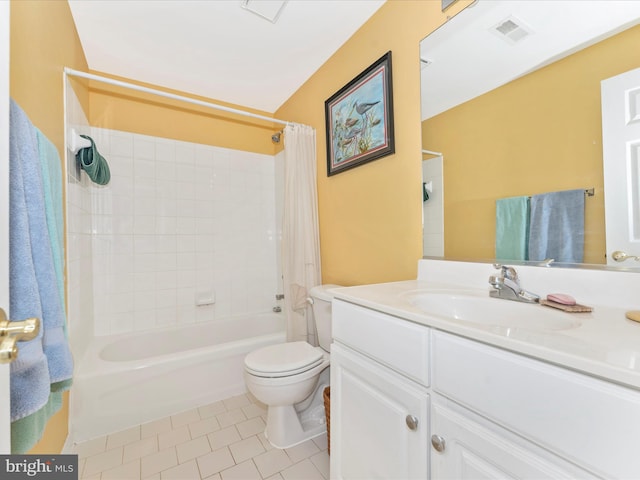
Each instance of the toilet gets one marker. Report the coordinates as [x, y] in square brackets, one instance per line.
[290, 378]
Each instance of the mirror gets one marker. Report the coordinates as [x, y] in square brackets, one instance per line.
[511, 99]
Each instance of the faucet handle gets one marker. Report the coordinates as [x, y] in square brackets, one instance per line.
[507, 271]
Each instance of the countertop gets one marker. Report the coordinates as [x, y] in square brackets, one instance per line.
[604, 343]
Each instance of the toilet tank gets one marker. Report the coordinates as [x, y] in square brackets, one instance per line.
[321, 295]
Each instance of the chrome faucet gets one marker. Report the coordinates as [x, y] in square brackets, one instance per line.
[507, 286]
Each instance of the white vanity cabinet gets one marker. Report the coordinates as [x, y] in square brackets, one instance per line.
[378, 421]
[482, 412]
[379, 400]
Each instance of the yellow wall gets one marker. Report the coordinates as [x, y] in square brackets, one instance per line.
[371, 216]
[43, 41]
[539, 133]
[127, 110]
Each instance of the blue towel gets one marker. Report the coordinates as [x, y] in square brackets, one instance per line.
[34, 289]
[512, 228]
[556, 227]
[30, 384]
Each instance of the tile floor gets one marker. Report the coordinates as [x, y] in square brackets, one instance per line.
[221, 441]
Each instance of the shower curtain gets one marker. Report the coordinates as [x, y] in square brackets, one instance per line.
[300, 231]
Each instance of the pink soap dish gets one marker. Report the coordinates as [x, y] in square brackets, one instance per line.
[561, 298]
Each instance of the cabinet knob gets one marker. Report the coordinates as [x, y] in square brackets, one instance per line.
[412, 422]
[438, 442]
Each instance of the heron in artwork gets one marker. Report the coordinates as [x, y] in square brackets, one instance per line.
[363, 108]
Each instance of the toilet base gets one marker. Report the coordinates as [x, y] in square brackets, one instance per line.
[286, 427]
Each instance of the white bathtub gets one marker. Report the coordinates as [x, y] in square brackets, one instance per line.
[129, 379]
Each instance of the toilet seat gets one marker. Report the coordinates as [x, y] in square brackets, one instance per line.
[283, 360]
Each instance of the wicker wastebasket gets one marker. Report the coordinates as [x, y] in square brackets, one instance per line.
[327, 411]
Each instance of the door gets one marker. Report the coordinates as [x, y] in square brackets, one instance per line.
[379, 421]
[5, 430]
[621, 155]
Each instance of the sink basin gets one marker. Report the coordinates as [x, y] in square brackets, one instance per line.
[481, 310]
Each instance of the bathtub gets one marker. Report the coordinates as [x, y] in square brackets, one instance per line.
[128, 379]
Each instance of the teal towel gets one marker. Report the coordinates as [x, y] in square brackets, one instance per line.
[52, 186]
[93, 163]
[28, 430]
[512, 228]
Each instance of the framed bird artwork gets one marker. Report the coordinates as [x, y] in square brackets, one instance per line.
[359, 119]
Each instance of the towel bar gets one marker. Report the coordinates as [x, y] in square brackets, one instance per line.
[588, 192]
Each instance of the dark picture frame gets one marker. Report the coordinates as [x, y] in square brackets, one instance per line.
[359, 119]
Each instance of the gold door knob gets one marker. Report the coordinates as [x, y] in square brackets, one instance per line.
[619, 256]
[8, 350]
[13, 332]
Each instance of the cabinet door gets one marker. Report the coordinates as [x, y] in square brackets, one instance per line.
[379, 421]
[466, 446]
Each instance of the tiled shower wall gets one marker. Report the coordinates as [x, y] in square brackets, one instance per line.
[178, 224]
[433, 209]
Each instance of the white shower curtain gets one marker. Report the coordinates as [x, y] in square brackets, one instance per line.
[300, 231]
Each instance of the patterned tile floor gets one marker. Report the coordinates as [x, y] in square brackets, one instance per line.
[221, 441]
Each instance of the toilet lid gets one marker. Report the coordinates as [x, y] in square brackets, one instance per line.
[283, 359]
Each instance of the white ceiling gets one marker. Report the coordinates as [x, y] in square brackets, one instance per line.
[216, 48]
[470, 59]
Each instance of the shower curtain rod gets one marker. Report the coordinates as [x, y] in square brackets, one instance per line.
[431, 152]
[132, 86]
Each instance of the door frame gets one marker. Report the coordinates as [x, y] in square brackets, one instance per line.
[5, 422]
[620, 130]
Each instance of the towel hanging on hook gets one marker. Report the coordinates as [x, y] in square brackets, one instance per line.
[426, 189]
[93, 163]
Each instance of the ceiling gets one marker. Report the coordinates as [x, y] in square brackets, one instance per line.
[469, 57]
[217, 48]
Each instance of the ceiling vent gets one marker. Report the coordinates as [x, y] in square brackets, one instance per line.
[267, 9]
[512, 30]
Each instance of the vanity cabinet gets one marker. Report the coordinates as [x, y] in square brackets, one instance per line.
[379, 397]
[410, 401]
[379, 421]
